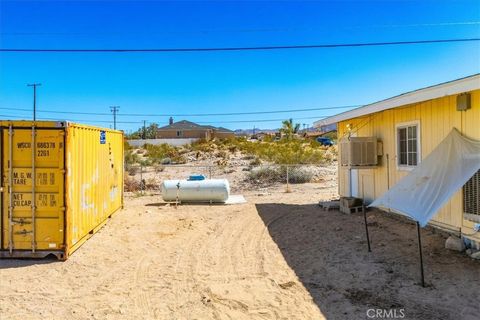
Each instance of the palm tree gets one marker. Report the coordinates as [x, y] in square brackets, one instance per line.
[289, 128]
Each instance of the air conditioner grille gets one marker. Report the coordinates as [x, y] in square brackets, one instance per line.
[471, 195]
[359, 152]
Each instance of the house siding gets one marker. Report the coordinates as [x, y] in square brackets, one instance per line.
[436, 119]
[172, 134]
[194, 134]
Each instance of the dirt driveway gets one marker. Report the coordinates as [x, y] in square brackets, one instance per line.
[277, 257]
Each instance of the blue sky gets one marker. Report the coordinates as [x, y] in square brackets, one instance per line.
[218, 82]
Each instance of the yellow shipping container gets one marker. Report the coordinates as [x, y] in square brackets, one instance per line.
[61, 181]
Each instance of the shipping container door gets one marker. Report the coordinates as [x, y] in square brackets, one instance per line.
[33, 191]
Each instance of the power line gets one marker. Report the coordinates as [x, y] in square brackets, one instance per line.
[263, 120]
[246, 30]
[256, 48]
[140, 122]
[189, 115]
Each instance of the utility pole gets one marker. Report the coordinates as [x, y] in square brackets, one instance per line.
[34, 85]
[144, 130]
[114, 109]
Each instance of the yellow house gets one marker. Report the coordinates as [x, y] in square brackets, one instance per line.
[408, 127]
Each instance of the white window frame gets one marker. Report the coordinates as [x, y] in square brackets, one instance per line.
[397, 145]
[179, 133]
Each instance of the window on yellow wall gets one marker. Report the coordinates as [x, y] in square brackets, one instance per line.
[408, 145]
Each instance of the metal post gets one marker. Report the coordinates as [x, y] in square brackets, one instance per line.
[421, 255]
[178, 194]
[350, 181]
[366, 227]
[141, 179]
[10, 187]
[388, 172]
[34, 205]
[34, 103]
[288, 184]
[145, 129]
[34, 85]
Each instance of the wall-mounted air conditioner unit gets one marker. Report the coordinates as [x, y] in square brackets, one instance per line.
[360, 152]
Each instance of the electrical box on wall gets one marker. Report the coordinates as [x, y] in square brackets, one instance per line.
[463, 102]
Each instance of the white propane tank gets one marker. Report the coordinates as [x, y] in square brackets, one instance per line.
[208, 190]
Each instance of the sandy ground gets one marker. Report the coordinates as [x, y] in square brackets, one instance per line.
[279, 256]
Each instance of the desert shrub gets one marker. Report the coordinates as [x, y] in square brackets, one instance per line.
[183, 150]
[158, 168]
[158, 152]
[285, 152]
[255, 162]
[221, 162]
[179, 159]
[151, 184]
[130, 157]
[127, 146]
[297, 174]
[146, 162]
[204, 145]
[133, 170]
[264, 174]
[271, 174]
[131, 185]
[248, 157]
[222, 154]
[293, 151]
[165, 161]
[153, 154]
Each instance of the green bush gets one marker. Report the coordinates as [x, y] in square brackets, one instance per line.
[166, 161]
[297, 174]
[265, 175]
[270, 174]
[158, 152]
[146, 162]
[133, 170]
[255, 162]
[285, 151]
[130, 157]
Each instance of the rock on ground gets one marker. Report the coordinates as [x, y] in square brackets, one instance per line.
[455, 244]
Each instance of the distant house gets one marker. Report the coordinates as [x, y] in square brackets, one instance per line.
[188, 129]
[408, 127]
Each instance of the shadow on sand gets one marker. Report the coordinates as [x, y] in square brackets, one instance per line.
[8, 263]
[328, 252]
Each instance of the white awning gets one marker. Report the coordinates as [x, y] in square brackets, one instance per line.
[428, 187]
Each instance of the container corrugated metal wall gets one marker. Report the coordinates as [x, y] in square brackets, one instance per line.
[78, 185]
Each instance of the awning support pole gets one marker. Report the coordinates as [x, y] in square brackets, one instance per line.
[421, 255]
[366, 227]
